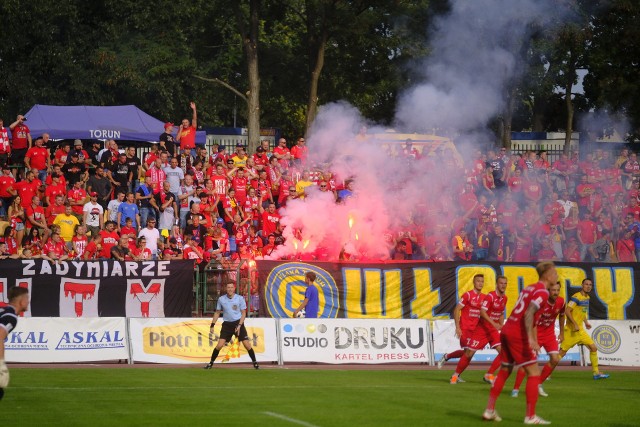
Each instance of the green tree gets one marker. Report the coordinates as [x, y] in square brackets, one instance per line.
[612, 83]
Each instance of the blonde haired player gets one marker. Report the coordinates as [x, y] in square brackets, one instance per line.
[577, 313]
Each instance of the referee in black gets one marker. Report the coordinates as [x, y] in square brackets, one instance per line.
[234, 310]
[18, 304]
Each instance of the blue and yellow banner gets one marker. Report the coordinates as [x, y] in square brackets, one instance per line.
[422, 290]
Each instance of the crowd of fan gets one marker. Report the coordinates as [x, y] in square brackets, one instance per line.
[184, 202]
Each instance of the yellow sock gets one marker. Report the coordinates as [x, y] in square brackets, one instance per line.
[593, 356]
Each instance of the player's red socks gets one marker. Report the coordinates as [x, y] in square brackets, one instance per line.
[532, 394]
[546, 371]
[519, 377]
[462, 364]
[495, 364]
[497, 387]
[454, 354]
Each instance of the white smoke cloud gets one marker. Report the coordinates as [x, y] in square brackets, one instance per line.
[465, 79]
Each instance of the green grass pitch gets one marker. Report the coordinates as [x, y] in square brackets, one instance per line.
[272, 396]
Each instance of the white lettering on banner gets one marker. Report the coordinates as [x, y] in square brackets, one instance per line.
[104, 134]
[64, 340]
[97, 269]
[354, 340]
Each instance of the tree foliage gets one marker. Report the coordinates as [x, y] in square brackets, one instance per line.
[310, 52]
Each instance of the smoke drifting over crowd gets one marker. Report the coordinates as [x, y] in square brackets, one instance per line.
[464, 86]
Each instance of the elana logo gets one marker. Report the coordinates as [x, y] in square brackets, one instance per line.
[285, 287]
[607, 339]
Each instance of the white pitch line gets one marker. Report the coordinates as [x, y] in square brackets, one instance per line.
[220, 387]
[289, 419]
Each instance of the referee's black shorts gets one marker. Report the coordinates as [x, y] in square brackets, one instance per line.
[229, 330]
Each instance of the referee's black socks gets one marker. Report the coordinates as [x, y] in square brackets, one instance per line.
[214, 355]
[252, 354]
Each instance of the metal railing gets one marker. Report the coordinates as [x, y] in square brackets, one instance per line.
[212, 280]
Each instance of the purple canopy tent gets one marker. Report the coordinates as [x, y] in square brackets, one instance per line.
[119, 122]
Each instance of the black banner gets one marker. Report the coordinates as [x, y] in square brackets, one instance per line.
[425, 290]
[105, 288]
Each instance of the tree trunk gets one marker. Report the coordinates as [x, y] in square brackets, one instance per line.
[316, 70]
[508, 118]
[569, 126]
[249, 34]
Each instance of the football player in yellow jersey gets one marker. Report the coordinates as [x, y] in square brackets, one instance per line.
[577, 314]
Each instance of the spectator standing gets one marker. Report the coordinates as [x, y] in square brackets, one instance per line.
[151, 235]
[35, 216]
[299, 152]
[174, 175]
[186, 196]
[7, 189]
[112, 207]
[187, 131]
[146, 200]
[282, 153]
[94, 153]
[5, 144]
[134, 164]
[121, 175]
[20, 140]
[37, 157]
[586, 235]
[168, 215]
[62, 155]
[100, 184]
[93, 214]
[77, 197]
[83, 156]
[166, 139]
[157, 175]
[128, 209]
[74, 171]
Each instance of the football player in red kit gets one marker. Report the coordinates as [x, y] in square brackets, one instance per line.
[466, 315]
[520, 344]
[552, 309]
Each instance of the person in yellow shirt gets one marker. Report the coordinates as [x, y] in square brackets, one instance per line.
[67, 222]
[577, 314]
[303, 184]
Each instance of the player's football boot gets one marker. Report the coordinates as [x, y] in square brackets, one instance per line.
[489, 378]
[514, 393]
[600, 376]
[455, 379]
[488, 415]
[541, 391]
[442, 360]
[535, 420]
[208, 365]
[255, 365]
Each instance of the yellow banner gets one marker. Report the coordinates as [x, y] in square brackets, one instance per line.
[194, 341]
